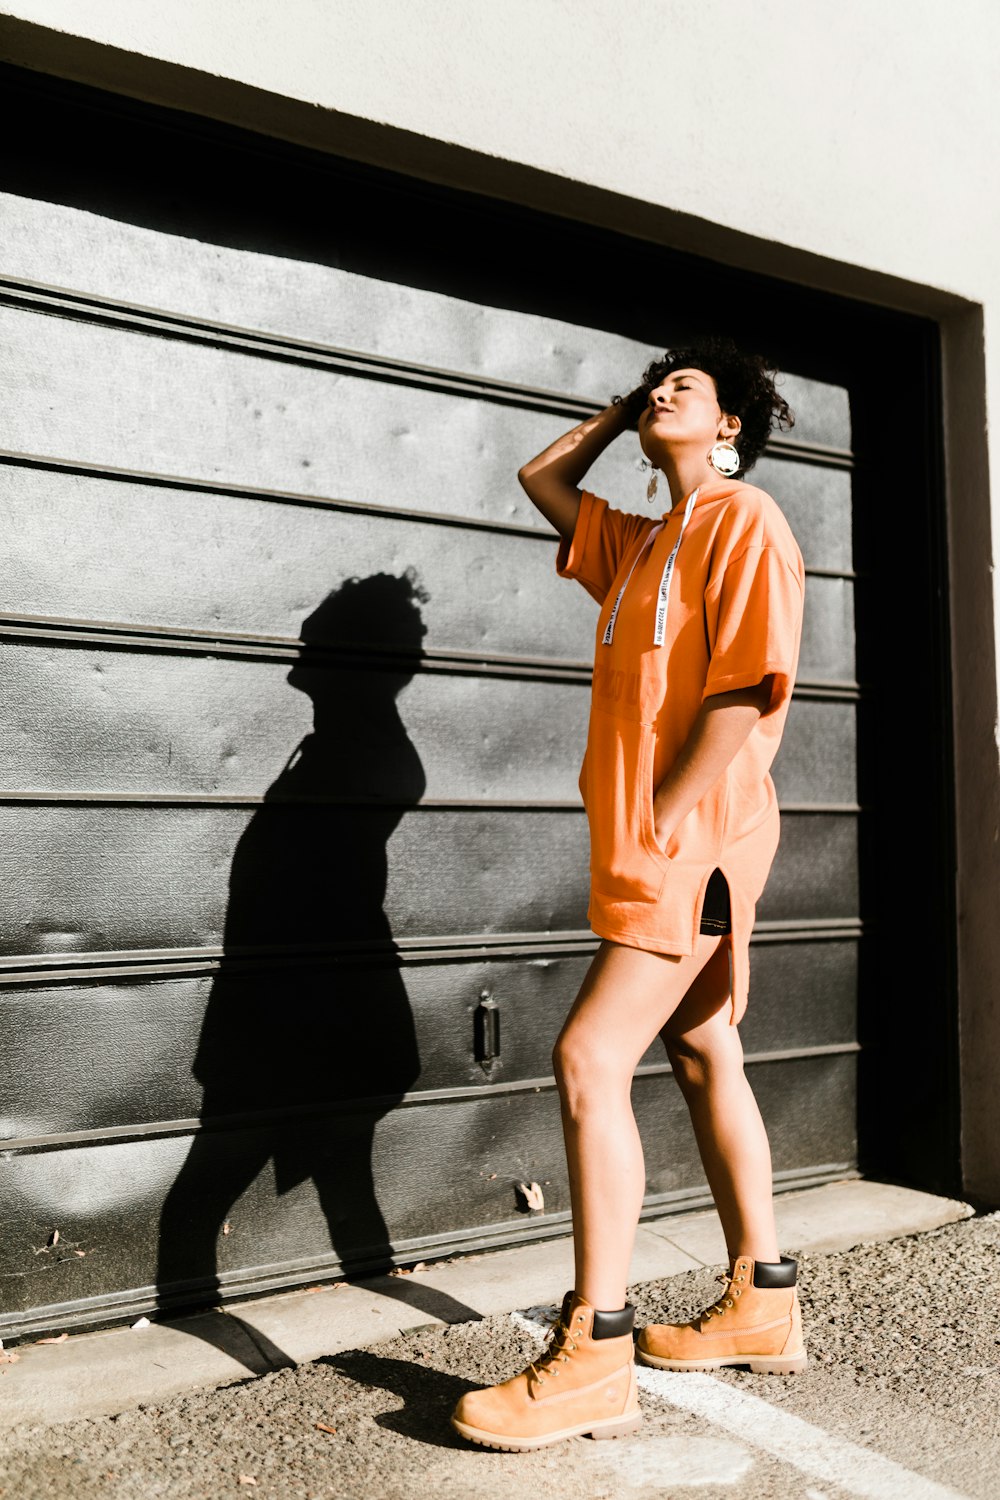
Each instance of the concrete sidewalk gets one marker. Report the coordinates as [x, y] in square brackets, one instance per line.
[96, 1374]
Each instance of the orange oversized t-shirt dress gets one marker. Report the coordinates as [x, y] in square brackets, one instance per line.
[704, 599]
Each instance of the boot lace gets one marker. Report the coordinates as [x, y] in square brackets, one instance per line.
[558, 1346]
[718, 1307]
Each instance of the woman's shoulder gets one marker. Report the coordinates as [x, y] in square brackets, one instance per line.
[752, 517]
[748, 501]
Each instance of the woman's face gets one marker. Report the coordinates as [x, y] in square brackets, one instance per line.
[683, 412]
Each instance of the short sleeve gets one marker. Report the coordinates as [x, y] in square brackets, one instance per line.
[601, 538]
[754, 622]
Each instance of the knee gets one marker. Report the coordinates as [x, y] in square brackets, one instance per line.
[689, 1066]
[585, 1076]
[699, 1065]
[570, 1064]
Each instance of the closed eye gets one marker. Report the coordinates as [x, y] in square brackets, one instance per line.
[683, 387]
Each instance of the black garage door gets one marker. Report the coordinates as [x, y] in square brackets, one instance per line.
[294, 863]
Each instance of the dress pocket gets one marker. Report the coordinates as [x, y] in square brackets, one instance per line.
[648, 790]
[626, 862]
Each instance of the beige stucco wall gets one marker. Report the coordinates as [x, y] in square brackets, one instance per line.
[841, 143]
[863, 132]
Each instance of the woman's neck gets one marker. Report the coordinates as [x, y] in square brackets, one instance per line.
[686, 473]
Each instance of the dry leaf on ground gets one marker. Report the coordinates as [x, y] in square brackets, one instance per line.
[532, 1195]
[420, 1265]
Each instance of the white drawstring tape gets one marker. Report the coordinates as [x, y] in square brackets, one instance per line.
[610, 628]
[668, 573]
[659, 632]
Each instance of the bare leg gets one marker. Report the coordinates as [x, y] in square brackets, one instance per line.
[625, 1000]
[707, 1057]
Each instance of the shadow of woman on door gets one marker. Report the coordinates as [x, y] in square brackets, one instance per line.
[308, 1037]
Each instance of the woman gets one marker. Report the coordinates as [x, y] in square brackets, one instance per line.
[696, 650]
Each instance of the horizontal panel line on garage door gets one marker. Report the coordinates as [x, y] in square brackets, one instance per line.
[130, 317]
[421, 804]
[35, 968]
[114, 635]
[189, 485]
[194, 1125]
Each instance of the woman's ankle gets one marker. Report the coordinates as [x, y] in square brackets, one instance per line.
[601, 1296]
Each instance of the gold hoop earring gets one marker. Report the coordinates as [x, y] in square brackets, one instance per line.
[724, 458]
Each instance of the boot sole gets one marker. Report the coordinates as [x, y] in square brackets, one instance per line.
[760, 1364]
[614, 1427]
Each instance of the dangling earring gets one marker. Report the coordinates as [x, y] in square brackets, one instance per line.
[724, 458]
[651, 486]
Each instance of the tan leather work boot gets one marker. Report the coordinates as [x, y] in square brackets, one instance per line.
[584, 1382]
[756, 1322]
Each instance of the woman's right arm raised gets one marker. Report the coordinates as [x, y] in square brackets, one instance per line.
[550, 481]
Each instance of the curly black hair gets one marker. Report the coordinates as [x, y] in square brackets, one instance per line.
[744, 384]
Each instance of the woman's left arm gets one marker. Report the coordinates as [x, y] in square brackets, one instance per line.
[723, 723]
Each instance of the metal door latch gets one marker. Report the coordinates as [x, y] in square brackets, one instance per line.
[487, 1029]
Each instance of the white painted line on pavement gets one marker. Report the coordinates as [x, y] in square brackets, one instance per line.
[809, 1449]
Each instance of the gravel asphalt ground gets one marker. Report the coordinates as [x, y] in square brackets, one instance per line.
[900, 1401]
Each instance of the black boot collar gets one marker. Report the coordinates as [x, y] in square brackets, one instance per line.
[770, 1273]
[614, 1325]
